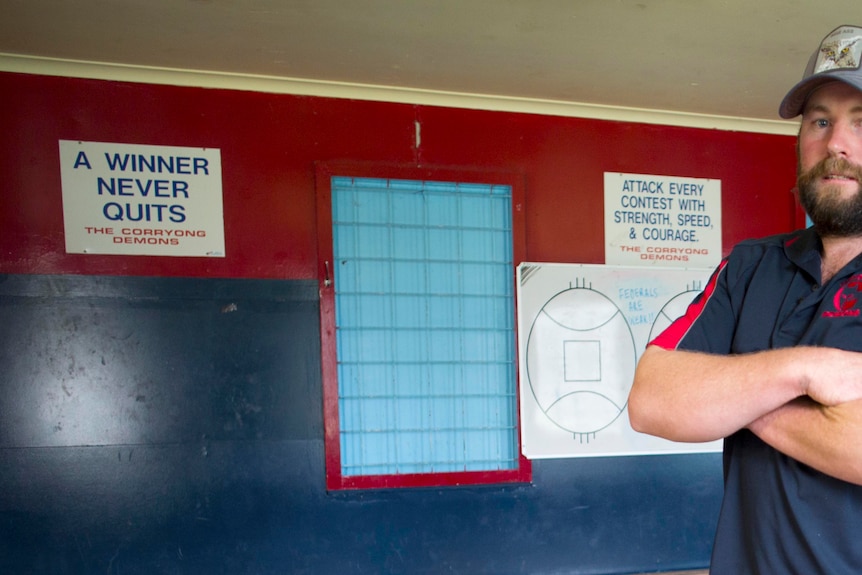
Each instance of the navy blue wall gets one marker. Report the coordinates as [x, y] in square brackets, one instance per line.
[172, 425]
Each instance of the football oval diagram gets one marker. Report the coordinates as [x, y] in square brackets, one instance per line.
[588, 359]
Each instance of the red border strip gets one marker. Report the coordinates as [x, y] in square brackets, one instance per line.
[329, 361]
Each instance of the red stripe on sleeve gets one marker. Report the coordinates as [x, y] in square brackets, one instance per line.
[673, 334]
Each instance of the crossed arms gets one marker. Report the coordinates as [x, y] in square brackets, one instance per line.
[804, 401]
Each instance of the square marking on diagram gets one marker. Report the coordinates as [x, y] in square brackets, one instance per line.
[582, 360]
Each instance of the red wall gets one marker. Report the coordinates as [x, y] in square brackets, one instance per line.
[270, 142]
[237, 489]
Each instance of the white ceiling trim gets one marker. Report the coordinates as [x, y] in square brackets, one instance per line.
[302, 87]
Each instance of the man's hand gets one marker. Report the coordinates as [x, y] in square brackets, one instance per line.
[830, 376]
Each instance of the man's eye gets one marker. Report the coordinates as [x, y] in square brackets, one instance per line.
[821, 123]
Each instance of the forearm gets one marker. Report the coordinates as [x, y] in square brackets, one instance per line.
[689, 396]
[828, 439]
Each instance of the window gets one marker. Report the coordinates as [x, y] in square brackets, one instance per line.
[418, 330]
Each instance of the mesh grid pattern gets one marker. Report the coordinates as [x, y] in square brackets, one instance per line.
[425, 326]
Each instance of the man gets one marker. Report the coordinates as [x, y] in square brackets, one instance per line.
[767, 356]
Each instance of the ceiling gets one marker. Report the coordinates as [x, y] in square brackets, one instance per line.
[732, 58]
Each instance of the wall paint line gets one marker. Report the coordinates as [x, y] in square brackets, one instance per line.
[17, 63]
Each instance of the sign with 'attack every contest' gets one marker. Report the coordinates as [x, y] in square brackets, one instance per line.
[662, 220]
[142, 200]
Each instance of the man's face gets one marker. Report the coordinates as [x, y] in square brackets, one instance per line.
[830, 160]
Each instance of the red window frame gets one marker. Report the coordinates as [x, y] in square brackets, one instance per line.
[329, 366]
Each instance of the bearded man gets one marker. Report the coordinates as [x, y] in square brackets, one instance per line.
[768, 356]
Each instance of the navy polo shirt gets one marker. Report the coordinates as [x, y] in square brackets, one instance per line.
[778, 516]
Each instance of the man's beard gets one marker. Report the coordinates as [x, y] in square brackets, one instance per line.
[832, 216]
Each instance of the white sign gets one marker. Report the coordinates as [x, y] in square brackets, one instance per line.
[662, 220]
[581, 331]
[141, 200]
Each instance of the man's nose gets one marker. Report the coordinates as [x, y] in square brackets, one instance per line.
[839, 140]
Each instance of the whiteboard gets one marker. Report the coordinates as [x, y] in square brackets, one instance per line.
[581, 330]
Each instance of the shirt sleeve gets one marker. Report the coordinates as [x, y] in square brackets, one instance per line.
[708, 323]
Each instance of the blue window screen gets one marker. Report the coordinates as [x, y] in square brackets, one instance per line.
[424, 314]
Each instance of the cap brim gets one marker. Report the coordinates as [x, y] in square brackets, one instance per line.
[794, 102]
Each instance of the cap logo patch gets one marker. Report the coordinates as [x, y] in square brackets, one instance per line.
[840, 50]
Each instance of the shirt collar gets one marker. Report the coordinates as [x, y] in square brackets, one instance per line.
[802, 247]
